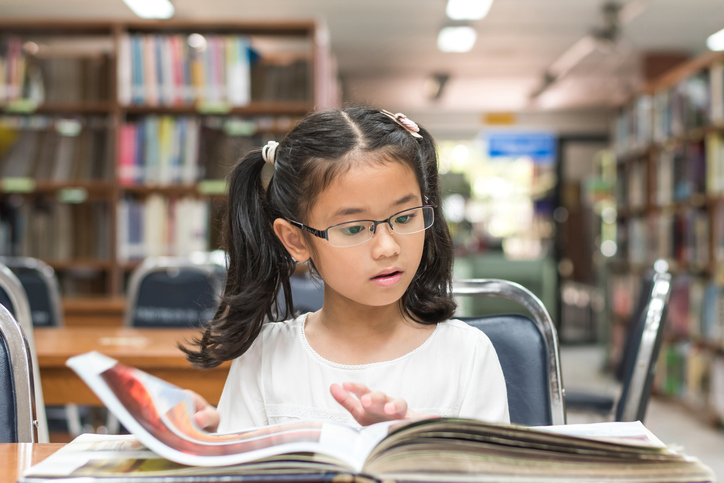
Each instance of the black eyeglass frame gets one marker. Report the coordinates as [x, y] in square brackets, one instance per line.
[325, 233]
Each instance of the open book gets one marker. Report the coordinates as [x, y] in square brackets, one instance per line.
[166, 445]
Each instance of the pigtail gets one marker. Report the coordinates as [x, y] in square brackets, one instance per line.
[259, 266]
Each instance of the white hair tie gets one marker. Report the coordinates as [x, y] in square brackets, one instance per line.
[268, 151]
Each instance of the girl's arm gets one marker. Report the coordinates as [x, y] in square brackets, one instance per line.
[369, 407]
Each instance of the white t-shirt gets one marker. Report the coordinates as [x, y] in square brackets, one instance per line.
[455, 372]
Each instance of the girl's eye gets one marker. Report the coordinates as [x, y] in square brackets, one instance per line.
[401, 220]
[352, 230]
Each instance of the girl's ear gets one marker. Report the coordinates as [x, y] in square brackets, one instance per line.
[292, 240]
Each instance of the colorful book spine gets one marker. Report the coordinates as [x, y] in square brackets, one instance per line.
[163, 70]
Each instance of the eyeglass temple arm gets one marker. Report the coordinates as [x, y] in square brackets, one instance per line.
[319, 233]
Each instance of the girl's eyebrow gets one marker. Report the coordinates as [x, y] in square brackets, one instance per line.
[354, 211]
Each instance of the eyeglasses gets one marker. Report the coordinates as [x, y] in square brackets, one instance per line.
[356, 232]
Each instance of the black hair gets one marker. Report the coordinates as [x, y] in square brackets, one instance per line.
[320, 148]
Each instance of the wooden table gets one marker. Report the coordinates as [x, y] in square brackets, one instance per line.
[16, 458]
[151, 350]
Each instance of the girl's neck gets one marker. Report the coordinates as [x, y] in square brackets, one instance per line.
[363, 334]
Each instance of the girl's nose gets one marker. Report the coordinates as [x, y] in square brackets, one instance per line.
[384, 242]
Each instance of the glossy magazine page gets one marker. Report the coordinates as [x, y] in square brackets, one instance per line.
[160, 415]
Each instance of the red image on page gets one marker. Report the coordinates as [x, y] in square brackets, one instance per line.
[165, 411]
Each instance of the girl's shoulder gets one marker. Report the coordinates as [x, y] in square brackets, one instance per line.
[284, 328]
[462, 332]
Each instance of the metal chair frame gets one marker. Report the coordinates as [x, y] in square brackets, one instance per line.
[636, 398]
[20, 355]
[204, 262]
[517, 293]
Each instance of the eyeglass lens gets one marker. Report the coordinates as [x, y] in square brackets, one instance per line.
[405, 223]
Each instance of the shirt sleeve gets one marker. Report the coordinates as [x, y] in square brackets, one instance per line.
[242, 403]
[486, 397]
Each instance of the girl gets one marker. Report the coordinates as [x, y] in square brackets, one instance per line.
[355, 194]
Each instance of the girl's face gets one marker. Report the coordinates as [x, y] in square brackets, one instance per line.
[377, 272]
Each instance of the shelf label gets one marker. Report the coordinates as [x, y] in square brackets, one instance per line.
[21, 105]
[17, 185]
[212, 187]
[213, 107]
[72, 195]
[239, 127]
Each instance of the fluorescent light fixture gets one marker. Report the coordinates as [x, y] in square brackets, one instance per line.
[716, 41]
[456, 39]
[151, 8]
[467, 9]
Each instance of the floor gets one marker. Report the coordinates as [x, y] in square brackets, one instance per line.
[671, 422]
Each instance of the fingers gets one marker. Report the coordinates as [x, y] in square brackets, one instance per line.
[369, 406]
[342, 396]
[207, 419]
[206, 415]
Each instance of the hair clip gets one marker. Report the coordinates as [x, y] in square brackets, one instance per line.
[405, 122]
[268, 151]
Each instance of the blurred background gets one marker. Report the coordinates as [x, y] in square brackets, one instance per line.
[580, 141]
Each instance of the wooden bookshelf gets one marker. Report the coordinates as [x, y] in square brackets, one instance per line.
[211, 105]
[673, 131]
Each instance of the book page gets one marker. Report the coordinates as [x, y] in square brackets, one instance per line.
[160, 415]
[630, 432]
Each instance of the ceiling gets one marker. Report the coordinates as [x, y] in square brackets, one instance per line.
[386, 48]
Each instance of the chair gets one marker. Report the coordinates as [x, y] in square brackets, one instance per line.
[641, 350]
[174, 292]
[527, 349]
[307, 293]
[18, 423]
[16, 303]
[42, 289]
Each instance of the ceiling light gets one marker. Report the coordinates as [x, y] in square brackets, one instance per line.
[468, 9]
[456, 39]
[151, 8]
[716, 41]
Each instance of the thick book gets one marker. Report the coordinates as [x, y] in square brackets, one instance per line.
[166, 445]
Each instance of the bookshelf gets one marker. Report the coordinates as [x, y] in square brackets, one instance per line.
[115, 137]
[669, 144]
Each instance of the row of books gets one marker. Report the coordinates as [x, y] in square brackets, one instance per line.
[68, 78]
[163, 150]
[693, 374]
[680, 173]
[681, 237]
[167, 150]
[55, 149]
[177, 69]
[157, 226]
[55, 231]
[695, 102]
[12, 70]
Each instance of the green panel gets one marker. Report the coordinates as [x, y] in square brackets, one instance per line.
[538, 276]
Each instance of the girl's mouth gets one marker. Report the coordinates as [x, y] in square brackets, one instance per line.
[387, 279]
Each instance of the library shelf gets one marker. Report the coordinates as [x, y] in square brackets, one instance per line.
[255, 108]
[149, 83]
[669, 145]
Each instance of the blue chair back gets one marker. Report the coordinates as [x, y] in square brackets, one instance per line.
[527, 348]
[307, 293]
[41, 288]
[523, 354]
[16, 384]
[173, 292]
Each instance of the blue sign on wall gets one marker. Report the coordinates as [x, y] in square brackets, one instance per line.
[540, 146]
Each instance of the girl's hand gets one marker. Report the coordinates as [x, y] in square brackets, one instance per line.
[206, 415]
[369, 407]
